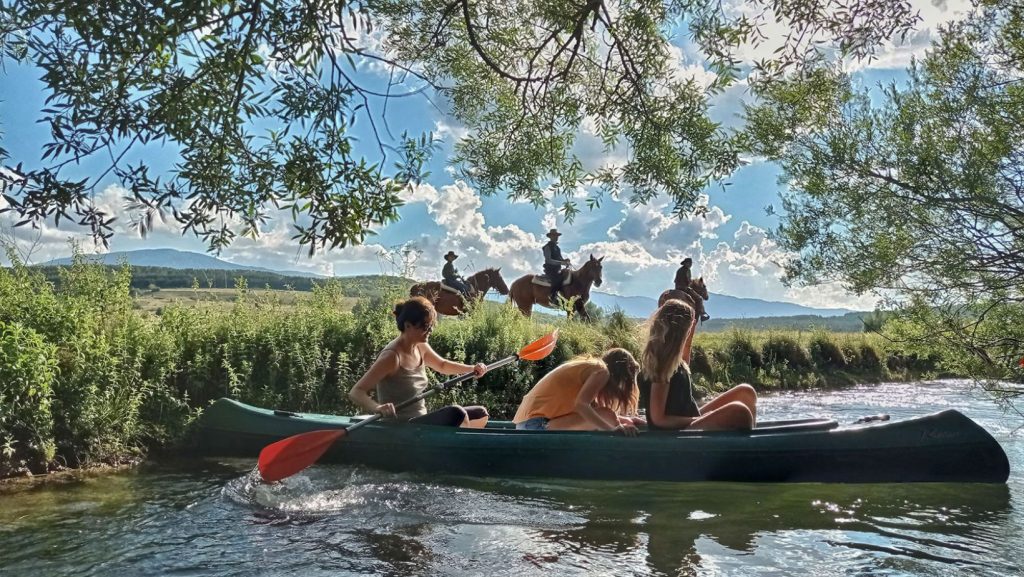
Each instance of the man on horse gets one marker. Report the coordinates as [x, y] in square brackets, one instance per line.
[684, 279]
[553, 263]
[451, 275]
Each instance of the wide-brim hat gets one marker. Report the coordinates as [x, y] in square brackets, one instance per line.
[553, 233]
[451, 256]
[687, 260]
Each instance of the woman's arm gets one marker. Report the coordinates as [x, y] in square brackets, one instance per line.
[659, 399]
[585, 404]
[386, 364]
[446, 367]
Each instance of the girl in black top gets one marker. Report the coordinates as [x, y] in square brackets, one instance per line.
[665, 379]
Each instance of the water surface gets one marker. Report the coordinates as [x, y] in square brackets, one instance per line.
[210, 518]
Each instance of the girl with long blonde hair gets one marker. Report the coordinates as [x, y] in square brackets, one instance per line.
[665, 379]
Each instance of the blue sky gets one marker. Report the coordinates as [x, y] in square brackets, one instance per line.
[641, 245]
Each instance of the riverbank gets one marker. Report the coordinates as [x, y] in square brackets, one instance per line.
[87, 378]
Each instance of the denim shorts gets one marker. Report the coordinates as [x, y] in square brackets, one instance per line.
[534, 424]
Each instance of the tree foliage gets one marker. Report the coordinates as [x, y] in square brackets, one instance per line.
[258, 100]
[921, 196]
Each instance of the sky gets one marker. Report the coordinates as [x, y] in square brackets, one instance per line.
[641, 246]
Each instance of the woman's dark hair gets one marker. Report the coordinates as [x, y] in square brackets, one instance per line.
[416, 311]
[621, 393]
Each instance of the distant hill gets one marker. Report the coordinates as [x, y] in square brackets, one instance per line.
[719, 307]
[172, 258]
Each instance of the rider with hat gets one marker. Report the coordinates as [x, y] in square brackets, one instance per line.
[553, 263]
[683, 281]
[451, 275]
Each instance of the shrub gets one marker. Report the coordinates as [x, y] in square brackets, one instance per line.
[785, 352]
[27, 369]
[825, 353]
[869, 359]
[742, 351]
[700, 363]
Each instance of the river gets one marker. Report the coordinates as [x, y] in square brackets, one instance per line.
[209, 518]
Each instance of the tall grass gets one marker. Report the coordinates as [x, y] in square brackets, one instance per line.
[85, 377]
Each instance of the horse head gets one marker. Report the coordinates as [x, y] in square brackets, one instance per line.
[591, 271]
[495, 280]
[701, 288]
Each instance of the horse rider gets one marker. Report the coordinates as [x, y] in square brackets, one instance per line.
[451, 275]
[683, 280]
[553, 263]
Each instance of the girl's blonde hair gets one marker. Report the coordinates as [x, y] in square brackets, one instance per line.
[668, 329]
[621, 393]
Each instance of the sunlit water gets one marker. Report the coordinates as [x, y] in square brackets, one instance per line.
[213, 519]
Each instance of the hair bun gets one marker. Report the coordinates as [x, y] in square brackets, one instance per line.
[398, 309]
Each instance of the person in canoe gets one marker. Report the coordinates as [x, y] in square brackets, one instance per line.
[666, 384]
[400, 373]
[586, 394]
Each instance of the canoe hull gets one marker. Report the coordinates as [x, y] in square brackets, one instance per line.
[942, 447]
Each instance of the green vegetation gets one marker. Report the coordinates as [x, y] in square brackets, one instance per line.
[86, 377]
[261, 106]
[916, 191]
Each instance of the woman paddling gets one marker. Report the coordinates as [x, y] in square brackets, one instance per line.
[399, 373]
[584, 395]
[665, 379]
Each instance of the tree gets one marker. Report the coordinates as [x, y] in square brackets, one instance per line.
[919, 197]
[259, 98]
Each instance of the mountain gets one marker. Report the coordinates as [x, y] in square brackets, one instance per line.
[718, 306]
[171, 258]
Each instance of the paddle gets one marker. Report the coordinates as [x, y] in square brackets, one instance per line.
[289, 456]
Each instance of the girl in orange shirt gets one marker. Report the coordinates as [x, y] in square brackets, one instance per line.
[584, 395]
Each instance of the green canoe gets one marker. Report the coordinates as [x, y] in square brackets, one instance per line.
[941, 447]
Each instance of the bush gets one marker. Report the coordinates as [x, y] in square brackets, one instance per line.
[27, 369]
[826, 354]
[742, 352]
[785, 352]
[870, 360]
[700, 363]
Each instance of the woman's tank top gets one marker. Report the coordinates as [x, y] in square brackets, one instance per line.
[680, 401]
[404, 384]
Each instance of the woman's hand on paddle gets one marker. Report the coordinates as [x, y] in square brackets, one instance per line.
[386, 410]
[479, 369]
[628, 430]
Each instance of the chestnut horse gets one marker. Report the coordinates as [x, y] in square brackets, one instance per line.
[698, 286]
[449, 303]
[525, 293]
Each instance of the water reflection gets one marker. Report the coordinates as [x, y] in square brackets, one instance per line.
[783, 526]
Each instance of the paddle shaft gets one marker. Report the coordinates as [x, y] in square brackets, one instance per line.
[430, 391]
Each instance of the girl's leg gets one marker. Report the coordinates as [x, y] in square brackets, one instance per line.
[450, 416]
[728, 417]
[476, 417]
[744, 394]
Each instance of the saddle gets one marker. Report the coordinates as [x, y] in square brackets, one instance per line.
[450, 289]
[542, 280]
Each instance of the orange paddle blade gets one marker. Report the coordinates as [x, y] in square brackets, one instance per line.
[539, 348]
[289, 456]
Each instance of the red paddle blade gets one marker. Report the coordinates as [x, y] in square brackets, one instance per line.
[539, 348]
[289, 456]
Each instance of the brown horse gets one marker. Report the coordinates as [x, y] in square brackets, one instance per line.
[698, 286]
[449, 303]
[525, 293]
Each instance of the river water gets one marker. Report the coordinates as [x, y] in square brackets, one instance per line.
[209, 518]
